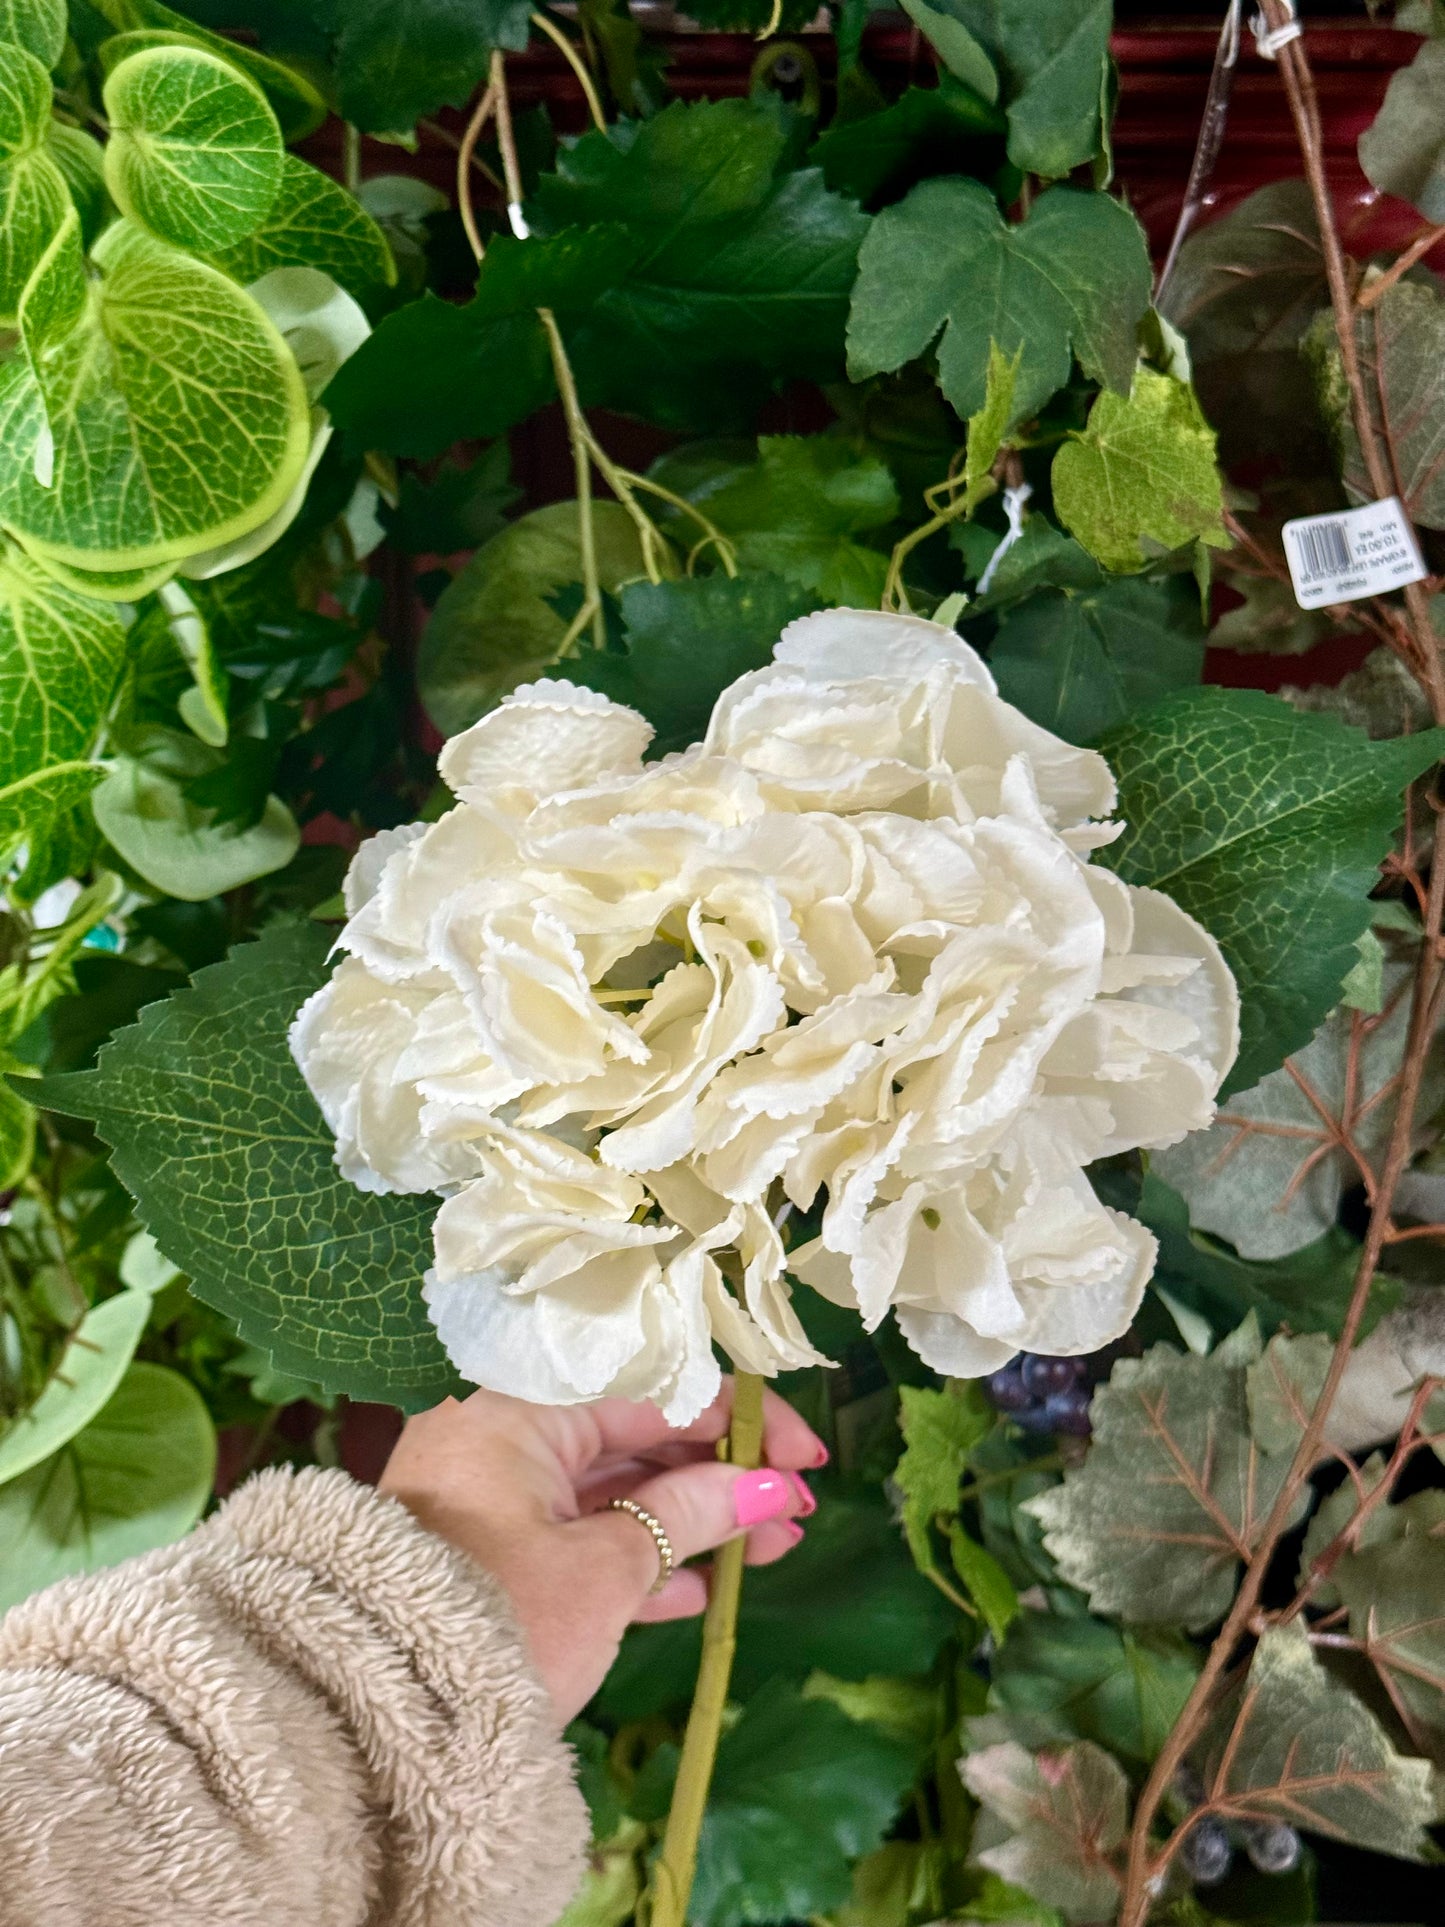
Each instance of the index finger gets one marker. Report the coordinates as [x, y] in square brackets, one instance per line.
[789, 1442]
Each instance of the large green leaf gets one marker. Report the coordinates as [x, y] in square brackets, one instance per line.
[180, 847]
[61, 655]
[1266, 825]
[138, 1476]
[25, 96]
[1070, 281]
[29, 803]
[741, 266]
[1295, 1745]
[1052, 1825]
[86, 1374]
[399, 59]
[1141, 479]
[1395, 1592]
[435, 373]
[947, 129]
[136, 474]
[1079, 663]
[685, 641]
[34, 201]
[147, 23]
[36, 25]
[494, 626]
[233, 1171]
[81, 159]
[799, 1791]
[1403, 150]
[1069, 1676]
[195, 152]
[1174, 1492]
[312, 223]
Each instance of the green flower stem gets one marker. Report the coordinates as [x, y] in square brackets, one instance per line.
[673, 1870]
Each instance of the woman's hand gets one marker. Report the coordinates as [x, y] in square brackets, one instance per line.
[524, 1490]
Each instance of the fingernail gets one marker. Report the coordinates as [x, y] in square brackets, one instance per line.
[762, 1495]
[805, 1497]
[793, 1530]
[820, 1457]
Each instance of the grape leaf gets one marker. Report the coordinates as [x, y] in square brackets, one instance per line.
[1402, 347]
[399, 59]
[233, 1172]
[1283, 1388]
[1403, 149]
[1078, 663]
[195, 152]
[1072, 280]
[1296, 1746]
[799, 1791]
[313, 223]
[1069, 1676]
[1267, 826]
[1174, 1492]
[684, 642]
[947, 129]
[1269, 1173]
[87, 1373]
[1140, 480]
[494, 627]
[431, 374]
[1052, 1823]
[1395, 1592]
[138, 1476]
[939, 1431]
[741, 267]
[134, 478]
[36, 25]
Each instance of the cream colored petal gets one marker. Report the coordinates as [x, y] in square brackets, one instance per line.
[543, 738]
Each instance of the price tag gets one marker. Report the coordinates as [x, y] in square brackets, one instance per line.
[1358, 552]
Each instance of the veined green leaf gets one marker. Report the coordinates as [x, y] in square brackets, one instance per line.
[218, 1139]
[17, 1137]
[1072, 280]
[939, 1431]
[36, 25]
[1266, 825]
[29, 803]
[81, 159]
[34, 201]
[399, 59]
[1053, 1823]
[86, 1374]
[126, 477]
[138, 1476]
[195, 152]
[61, 655]
[147, 23]
[25, 96]
[178, 846]
[1395, 1591]
[1073, 1677]
[104, 585]
[313, 223]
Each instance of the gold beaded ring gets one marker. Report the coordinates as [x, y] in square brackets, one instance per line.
[666, 1558]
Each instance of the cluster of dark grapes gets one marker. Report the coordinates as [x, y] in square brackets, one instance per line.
[1045, 1394]
[1207, 1852]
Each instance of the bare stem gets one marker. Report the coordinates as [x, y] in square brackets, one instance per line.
[569, 53]
[1375, 290]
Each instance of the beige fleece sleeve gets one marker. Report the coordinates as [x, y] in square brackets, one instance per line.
[310, 1710]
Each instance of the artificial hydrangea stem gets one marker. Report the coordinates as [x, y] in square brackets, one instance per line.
[673, 1869]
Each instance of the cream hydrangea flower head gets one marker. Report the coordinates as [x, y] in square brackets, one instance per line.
[846, 960]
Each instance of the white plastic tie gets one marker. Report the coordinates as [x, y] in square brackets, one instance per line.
[518, 220]
[1268, 40]
[1014, 500]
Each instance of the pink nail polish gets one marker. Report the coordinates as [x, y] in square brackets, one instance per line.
[805, 1497]
[760, 1495]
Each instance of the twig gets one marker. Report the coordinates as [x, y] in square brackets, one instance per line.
[569, 53]
[1377, 289]
[466, 154]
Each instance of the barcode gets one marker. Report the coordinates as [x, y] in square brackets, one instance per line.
[1324, 549]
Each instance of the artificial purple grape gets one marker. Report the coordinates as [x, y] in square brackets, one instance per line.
[1206, 1853]
[1006, 1389]
[1044, 1375]
[1033, 1418]
[1068, 1411]
[1273, 1849]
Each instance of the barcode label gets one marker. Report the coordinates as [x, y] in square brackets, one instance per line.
[1341, 558]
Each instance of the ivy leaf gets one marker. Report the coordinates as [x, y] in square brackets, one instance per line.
[39, 26]
[1296, 1746]
[61, 655]
[1141, 478]
[1069, 1676]
[797, 512]
[1058, 1819]
[138, 1476]
[1395, 1592]
[1267, 826]
[195, 152]
[218, 1140]
[799, 1791]
[1079, 663]
[1403, 150]
[399, 59]
[684, 642]
[1270, 1171]
[1072, 280]
[1402, 346]
[494, 627]
[741, 266]
[1174, 1492]
[312, 223]
[947, 129]
[87, 1373]
[431, 373]
[133, 479]
[940, 1429]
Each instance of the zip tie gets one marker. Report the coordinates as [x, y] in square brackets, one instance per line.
[1013, 507]
[518, 221]
[1268, 40]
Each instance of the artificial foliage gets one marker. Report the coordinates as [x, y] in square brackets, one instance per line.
[1151, 1633]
